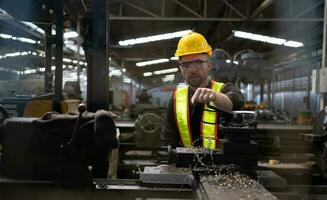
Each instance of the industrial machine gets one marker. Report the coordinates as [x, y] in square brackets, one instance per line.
[228, 172]
[318, 138]
[59, 148]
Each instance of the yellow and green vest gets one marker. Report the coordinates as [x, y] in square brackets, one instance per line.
[208, 130]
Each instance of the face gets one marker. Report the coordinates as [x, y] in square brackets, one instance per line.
[195, 69]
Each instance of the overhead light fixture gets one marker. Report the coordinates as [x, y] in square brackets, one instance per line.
[292, 43]
[21, 39]
[115, 72]
[267, 39]
[34, 27]
[67, 60]
[145, 74]
[168, 78]
[5, 36]
[27, 40]
[174, 58]
[152, 62]
[153, 38]
[166, 71]
[70, 34]
[127, 80]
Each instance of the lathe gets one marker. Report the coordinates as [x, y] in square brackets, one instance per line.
[228, 172]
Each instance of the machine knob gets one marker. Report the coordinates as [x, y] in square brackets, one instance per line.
[81, 108]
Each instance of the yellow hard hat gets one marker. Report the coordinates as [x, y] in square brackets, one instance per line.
[192, 43]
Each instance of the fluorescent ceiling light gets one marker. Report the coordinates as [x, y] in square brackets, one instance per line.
[21, 39]
[5, 36]
[145, 74]
[70, 34]
[27, 40]
[34, 27]
[170, 75]
[30, 71]
[168, 78]
[67, 60]
[127, 80]
[152, 62]
[174, 58]
[165, 79]
[115, 72]
[69, 42]
[166, 71]
[292, 43]
[228, 61]
[154, 38]
[267, 39]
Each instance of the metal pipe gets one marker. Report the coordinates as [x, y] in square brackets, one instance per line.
[323, 98]
[59, 54]
[47, 60]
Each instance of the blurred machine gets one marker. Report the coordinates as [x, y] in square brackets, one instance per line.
[64, 148]
[318, 138]
[35, 106]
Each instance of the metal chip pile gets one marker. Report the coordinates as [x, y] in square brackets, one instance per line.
[228, 180]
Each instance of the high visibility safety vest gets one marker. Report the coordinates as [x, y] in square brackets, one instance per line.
[208, 130]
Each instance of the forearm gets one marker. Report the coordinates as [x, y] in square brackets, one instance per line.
[223, 101]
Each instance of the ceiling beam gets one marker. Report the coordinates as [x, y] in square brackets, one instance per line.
[213, 19]
[141, 9]
[234, 9]
[187, 8]
[309, 9]
[261, 7]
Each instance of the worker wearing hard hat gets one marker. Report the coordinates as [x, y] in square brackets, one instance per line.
[188, 121]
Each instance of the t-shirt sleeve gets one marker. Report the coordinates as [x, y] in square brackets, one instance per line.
[235, 95]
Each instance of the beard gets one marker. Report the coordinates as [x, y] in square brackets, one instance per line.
[195, 81]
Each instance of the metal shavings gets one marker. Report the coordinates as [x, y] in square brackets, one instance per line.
[234, 181]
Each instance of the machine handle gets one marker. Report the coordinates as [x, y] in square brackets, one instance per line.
[69, 148]
[220, 110]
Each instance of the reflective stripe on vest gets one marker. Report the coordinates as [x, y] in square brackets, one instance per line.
[209, 129]
[181, 108]
[182, 115]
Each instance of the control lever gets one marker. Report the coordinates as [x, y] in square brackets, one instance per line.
[70, 147]
[221, 110]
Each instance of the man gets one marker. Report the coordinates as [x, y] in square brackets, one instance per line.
[189, 122]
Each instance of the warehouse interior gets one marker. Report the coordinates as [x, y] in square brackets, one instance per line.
[84, 56]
